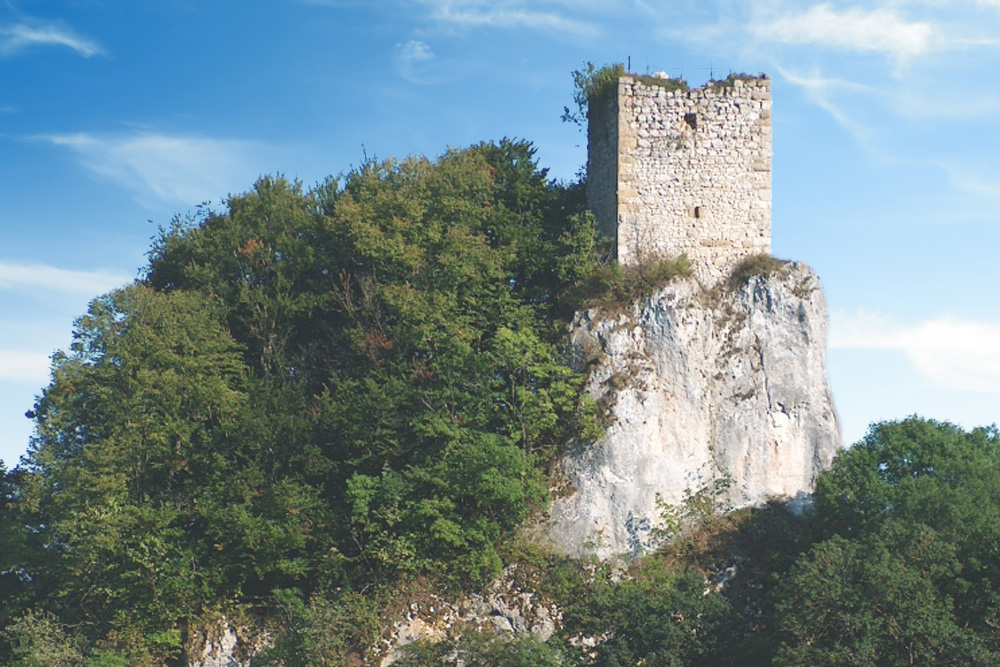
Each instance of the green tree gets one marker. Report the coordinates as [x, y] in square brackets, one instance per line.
[144, 487]
[658, 613]
[320, 391]
[14, 539]
[911, 516]
[407, 304]
[329, 629]
[882, 600]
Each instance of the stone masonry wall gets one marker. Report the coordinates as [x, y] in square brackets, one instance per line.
[673, 171]
[602, 164]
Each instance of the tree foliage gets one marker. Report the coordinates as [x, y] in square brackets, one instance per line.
[311, 390]
[314, 398]
[906, 574]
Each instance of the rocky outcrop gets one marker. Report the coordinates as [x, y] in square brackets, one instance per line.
[509, 606]
[226, 643]
[697, 385]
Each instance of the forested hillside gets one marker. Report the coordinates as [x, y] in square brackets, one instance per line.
[315, 404]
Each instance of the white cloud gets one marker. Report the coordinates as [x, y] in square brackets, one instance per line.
[509, 14]
[23, 366]
[415, 51]
[952, 353]
[21, 36]
[13, 276]
[856, 29]
[178, 169]
[409, 56]
[974, 176]
[821, 91]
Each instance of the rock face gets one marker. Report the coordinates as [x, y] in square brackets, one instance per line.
[507, 606]
[698, 386]
[225, 643]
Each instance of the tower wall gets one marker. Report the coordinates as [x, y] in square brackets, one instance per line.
[675, 171]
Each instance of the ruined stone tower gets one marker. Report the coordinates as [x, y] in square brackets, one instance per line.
[674, 171]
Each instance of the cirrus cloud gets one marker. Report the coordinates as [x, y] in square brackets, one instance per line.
[855, 29]
[22, 36]
[170, 168]
[505, 14]
[16, 276]
[952, 353]
[409, 56]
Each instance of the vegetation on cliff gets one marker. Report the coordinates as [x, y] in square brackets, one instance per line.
[894, 566]
[321, 392]
[315, 403]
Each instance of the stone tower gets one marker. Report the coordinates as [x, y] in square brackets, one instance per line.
[674, 171]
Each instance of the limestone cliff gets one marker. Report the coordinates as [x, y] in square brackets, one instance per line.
[697, 384]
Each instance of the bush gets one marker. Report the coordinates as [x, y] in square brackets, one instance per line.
[753, 266]
[730, 81]
[660, 82]
[325, 630]
[651, 273]
[590, 84]
[613, 286]
[39, 639]
[479, 649]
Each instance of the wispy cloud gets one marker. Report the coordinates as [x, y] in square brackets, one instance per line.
[24, 366]
[822, 92]
[409, 56]
[506, 14]
[14, 276]
[952, 353]
[856, 29]
[177, 169]
[901, 31]
[21, 36]
[978, 177]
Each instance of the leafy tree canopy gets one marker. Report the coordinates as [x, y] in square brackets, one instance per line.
[310, 390]
[906, 574]
[315, 398]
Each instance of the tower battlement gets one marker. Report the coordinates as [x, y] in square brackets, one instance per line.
[674, 171]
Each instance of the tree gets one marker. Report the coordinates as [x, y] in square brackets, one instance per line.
[407, 304]
[142, 482]
[321, 391]
[881, 600]
[14, 538]
[911, 517]
[658, 613]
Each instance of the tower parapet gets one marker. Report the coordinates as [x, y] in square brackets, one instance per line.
[674, 171]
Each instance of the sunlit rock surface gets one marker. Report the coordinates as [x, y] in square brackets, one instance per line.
[697, 386]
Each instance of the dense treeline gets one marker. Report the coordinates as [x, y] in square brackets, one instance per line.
[895, 565]
[319, 390]
[315, 402]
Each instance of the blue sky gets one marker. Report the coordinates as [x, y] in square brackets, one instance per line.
[116, 116]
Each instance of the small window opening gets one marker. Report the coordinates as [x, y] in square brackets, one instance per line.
[692, 120]
[699, 212]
